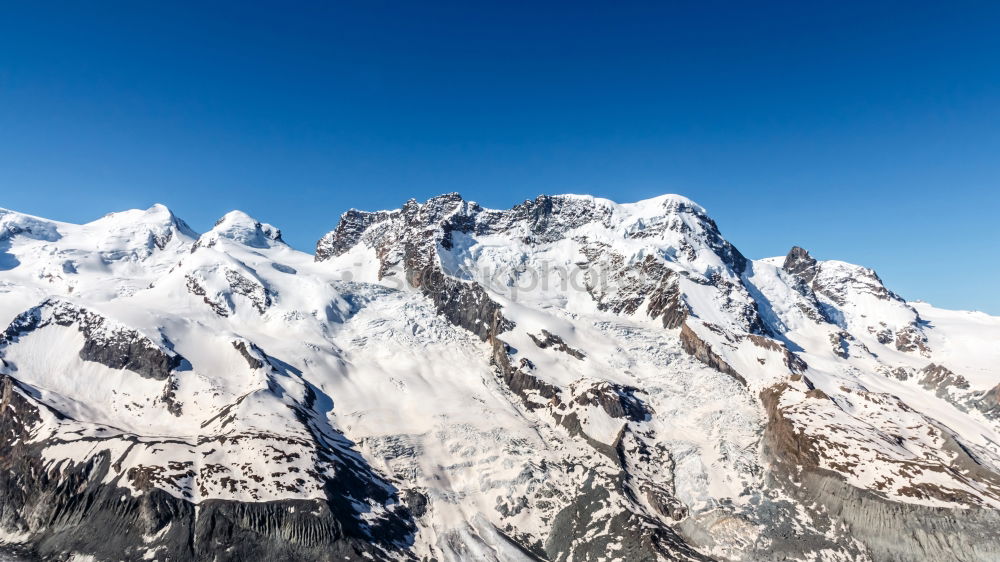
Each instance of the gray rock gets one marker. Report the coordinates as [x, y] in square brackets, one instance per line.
[105, 342]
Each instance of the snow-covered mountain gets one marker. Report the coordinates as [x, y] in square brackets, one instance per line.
[570, 379]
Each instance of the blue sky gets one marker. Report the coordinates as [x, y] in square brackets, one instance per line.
[864, 131]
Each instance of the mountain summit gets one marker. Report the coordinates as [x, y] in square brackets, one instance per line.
[568, 379]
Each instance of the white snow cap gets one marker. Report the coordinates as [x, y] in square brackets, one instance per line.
[653, 205]
[13, 223]
[244, 229]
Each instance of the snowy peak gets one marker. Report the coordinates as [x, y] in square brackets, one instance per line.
[856, 298]
[156, 225]
[114, 256]
[241, 228]
[157, 215]
[837, 280]
[13, 224]
[670, 225]
[136, 230]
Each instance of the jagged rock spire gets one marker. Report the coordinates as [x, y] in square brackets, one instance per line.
[799, 263]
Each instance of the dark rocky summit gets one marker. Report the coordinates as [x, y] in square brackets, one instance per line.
[799, 263]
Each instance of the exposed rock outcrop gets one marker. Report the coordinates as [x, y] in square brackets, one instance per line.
[254, 356]
[989, 403]
[702, 351]
[549, 340]
[799, 263]
[616, 400]
[911, 339]
[939, 379]
[105, 341]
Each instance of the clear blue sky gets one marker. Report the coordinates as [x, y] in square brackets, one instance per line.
[865, 131]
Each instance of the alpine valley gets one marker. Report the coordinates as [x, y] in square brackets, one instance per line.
[571, 379]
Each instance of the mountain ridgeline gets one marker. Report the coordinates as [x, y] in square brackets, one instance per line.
[568, 379]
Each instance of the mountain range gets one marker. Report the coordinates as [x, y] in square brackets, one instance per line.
[571, 379]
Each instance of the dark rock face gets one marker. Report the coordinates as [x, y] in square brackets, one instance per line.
[939, 379]
[911, 339]
[254, 356]
[549, 340]
[799, 263]
[639, 538]
[416, 502]
[549, 218]
[666, 302]
[105, 342]
[794, 363]
[783, 441]
[133, 354]
[840, 344]
[519, 379]
[700, 350]
[348, 233]
[666, 504]
[169, 397]
[463, 303]
[616, 400]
